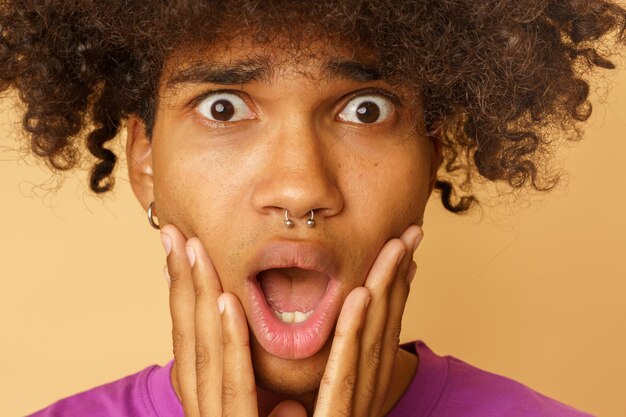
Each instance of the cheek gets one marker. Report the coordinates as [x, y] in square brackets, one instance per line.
[391, 192]
[201, 193]
[198, 191]
[384, 196]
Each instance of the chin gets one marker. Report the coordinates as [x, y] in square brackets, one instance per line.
[286, 376]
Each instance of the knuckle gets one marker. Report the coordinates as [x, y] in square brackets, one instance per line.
[404, 287]
[202, 388]
[326, 380]
[179, 341]
[229, 391]
[373, 356]
[370, 387]
[199, 284]
[394, 339]
[202, 357]
[231, 342]
[349, 382]
[344, 334]
[175, 276]
[343, 412]
[198, 289]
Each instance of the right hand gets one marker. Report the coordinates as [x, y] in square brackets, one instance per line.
[213, 367]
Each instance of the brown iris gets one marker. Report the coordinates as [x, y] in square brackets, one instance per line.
[368, 112]
[222, 110]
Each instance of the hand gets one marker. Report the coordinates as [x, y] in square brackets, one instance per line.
[211, 338]
[363, 352]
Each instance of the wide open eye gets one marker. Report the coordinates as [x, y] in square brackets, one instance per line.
[225, 107]
[367, 109]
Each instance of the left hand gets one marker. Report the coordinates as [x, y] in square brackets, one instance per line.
[359, 368]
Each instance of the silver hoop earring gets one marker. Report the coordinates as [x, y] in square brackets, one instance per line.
[311, 222]
[151, 216]
[288, 222]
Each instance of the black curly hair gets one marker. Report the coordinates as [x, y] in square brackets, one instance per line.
[495, 76]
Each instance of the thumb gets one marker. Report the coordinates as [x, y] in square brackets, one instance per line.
[289, 408]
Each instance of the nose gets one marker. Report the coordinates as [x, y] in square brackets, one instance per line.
[298, 176]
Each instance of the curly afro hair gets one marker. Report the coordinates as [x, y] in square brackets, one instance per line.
[497, 77]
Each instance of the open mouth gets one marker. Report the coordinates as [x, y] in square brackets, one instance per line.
[293, 293]
[295, 298]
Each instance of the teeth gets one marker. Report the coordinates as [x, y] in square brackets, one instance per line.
[299, 317]
[293, 316]
[287, 316]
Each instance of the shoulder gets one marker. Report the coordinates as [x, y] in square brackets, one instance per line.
[447, 386]
[498, 395]
[129, 396]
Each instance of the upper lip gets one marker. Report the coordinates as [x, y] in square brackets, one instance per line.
[302, 254]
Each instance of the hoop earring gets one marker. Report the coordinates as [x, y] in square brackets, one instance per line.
[151, 217]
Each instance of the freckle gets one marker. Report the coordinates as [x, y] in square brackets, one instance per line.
[375, 164]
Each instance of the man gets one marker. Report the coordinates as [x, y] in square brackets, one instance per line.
[288, 150]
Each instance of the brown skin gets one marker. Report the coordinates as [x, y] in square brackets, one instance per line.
[228, 183]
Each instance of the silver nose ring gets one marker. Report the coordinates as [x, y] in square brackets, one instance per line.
[288, 222]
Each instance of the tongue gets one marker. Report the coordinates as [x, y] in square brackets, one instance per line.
[293, 289]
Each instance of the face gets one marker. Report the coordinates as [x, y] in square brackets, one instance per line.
[246, 136]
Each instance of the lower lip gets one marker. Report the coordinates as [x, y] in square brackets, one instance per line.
[294, 340]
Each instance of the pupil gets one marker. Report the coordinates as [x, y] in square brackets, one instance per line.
[222, 110]
[368, 112]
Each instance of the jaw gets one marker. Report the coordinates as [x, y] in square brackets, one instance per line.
[289, 377]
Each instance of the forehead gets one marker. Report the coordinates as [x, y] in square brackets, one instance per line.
[241, 61]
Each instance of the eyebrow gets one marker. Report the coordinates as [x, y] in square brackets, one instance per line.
[240, 72]
[353, 70]
[260, 70]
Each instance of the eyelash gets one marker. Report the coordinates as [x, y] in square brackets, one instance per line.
[395, 100]
[197, 100]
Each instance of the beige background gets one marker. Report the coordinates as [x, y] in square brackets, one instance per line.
[537, 294]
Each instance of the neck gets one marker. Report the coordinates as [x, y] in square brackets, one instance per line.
[404, 369]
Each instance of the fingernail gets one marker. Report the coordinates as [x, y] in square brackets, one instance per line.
[220, 304]
[166, 273]
[400, 257]
[191, 254]
[167, 243]
[411, 274]
[417, 241]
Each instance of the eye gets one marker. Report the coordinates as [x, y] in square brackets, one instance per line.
[367, 109]
[225, 107]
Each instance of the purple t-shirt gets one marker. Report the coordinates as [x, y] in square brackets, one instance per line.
[442, 387]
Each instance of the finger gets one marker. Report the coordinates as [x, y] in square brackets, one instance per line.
[238, 385]
[391, 335]
[182, 306]
[335, 397]
[289, 408]
[378, 282]
[208, 329]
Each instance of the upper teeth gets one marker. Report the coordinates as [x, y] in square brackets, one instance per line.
[293, 316]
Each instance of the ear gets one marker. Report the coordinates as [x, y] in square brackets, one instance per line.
[139, 157]
[435, 161]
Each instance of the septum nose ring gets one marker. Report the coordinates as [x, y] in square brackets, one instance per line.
[311, 222]
[289, 223]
